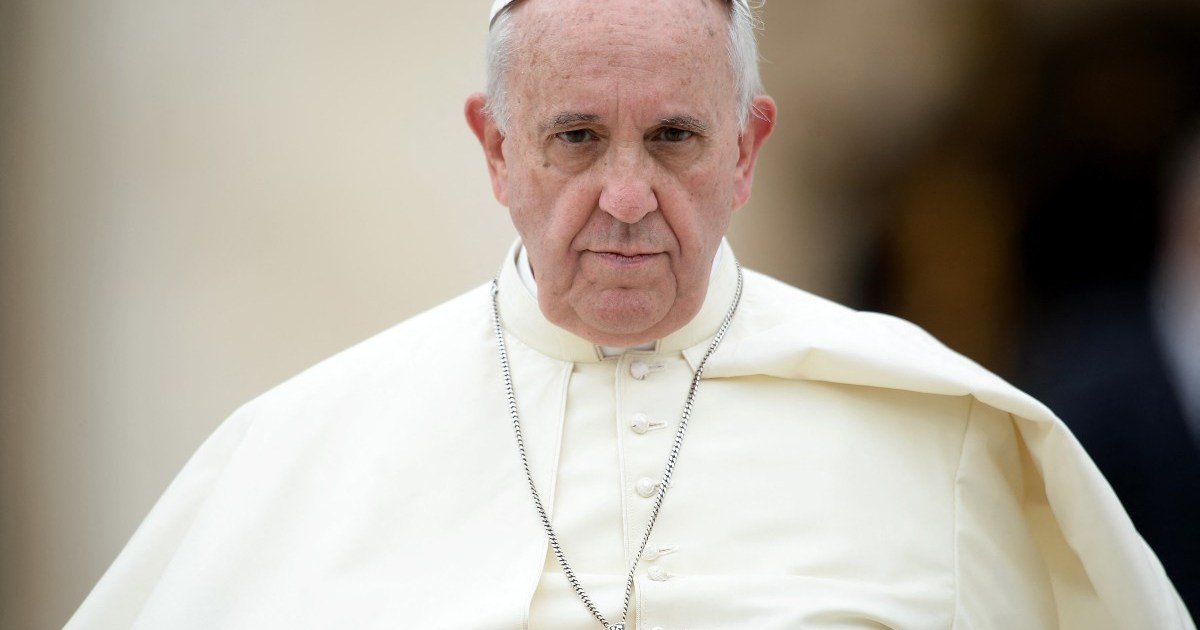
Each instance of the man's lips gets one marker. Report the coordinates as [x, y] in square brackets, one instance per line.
[625, 258]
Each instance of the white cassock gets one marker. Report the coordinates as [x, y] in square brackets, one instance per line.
[841, 470]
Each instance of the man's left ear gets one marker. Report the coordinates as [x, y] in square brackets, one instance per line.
[758, 128]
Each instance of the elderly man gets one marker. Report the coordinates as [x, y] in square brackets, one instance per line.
[627, 430]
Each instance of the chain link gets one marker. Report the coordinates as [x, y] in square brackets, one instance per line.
[510, 394]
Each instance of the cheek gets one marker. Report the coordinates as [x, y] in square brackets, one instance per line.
[699, 205]
[530, 188]
[551, 207]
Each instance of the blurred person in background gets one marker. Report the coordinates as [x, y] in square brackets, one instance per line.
[1170, 519]
[1126, 377]
[1022, 231]
[842, 468]
[1111, 164]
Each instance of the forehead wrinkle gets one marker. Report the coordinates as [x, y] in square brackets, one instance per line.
[646, 36]
[670, 50]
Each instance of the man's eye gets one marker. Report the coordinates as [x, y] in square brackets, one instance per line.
[672, 134]
[575, 136]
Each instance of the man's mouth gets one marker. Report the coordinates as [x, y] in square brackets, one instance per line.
[625, 258]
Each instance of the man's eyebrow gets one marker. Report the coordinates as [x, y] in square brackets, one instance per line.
[683, 121]
[566, 119]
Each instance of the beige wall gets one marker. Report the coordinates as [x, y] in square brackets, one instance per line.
[199, 199]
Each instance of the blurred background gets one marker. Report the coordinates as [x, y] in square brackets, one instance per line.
[199, 199]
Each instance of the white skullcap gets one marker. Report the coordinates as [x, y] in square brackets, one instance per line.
[497, 7]
[500, 5]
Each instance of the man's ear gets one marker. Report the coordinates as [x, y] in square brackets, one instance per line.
[492, 141]
[758, 128]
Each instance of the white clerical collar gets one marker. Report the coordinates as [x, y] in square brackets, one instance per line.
[522, 316]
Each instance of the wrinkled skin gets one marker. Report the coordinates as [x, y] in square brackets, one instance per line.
[623, 159]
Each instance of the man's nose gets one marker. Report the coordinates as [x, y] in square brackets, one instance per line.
[628, 194]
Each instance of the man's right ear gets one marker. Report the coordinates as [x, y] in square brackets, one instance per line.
[492, 141]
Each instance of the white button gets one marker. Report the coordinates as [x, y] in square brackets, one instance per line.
[639, 369]
[642, 423]
[654, 552]
[658, 574]
[647, 487]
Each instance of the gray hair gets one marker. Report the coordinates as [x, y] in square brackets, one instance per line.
[743, 58]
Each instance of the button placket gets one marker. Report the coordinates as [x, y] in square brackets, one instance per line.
[650, 388]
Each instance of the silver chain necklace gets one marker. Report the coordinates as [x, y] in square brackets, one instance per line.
[666, 478]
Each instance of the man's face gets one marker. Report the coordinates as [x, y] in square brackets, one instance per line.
[623, 159]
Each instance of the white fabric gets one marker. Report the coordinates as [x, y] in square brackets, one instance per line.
[500, 5]
[497, 7]
[525, 271]
[841, 470]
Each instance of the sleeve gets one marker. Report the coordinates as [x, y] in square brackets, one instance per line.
[118, 597]
[1024, 560]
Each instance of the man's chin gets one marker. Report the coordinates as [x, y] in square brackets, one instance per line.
[625, 317]
[622, 317]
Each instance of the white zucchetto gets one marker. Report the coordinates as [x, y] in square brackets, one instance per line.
[500, 5]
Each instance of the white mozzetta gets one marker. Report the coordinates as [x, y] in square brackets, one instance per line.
[841, 470]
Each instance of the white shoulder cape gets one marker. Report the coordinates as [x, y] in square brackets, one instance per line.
[268, 461]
